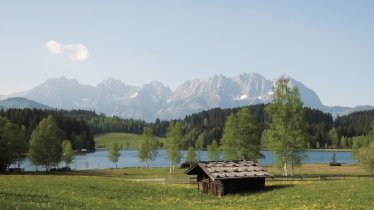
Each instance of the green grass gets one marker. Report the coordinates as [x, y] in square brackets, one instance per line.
[125, 140]
[93, 192]
[322, 169]
[131, 173]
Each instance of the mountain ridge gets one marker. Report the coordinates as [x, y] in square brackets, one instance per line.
[156, 100]
[19, 102]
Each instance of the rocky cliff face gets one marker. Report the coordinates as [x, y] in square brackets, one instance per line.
[155, 100]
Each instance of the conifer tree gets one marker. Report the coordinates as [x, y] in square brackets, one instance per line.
[13, 143]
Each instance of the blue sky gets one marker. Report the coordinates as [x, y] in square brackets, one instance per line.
[327, 45]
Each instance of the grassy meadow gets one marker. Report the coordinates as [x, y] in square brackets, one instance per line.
[121, 189]
[125, 140]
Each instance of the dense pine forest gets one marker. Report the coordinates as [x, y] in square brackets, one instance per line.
[73, 125]
[199, 128]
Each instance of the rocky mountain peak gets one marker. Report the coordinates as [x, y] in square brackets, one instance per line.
[155, 100]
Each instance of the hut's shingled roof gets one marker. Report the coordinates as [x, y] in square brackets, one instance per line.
[231, 169]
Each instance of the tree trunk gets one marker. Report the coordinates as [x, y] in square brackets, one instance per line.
[285, 172]
[170, 167]
[292, 167]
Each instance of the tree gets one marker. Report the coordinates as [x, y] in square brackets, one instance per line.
[114, 153]
[199, 144]
[67, 152]
[214, 152]
[241, 138]
[13, 143]
[248, 138]
[334, 138]
[191, 156]
[229, 145]
[148, 149]
[363, 150]
[365, 156]
[174, 138]
[343, 142]
[45, 144]
[286, 134]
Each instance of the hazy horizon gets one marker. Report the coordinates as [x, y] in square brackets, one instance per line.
[328, 46]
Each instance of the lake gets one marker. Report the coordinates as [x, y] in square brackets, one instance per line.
[129, 158]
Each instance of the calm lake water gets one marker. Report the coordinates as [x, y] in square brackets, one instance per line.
[129, 158]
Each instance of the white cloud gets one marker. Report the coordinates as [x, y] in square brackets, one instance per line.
[54, 47]
[76, 52]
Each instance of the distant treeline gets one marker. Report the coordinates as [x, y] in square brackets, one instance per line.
[199, 129]
[210, 123]
[75, 127]
[355, 124]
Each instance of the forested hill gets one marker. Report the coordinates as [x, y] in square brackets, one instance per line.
[199, 128]
[208, 125]
[355, 124]
[75, 128]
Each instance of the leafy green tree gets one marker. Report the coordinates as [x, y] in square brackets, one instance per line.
[148, 149]
[114, 153]
[286, 134]
[334, 138]
[229, 144]
[363, 150]
[365, 156]
[214, 152]
[343, 142]
[248, 138]
[199, 145]
[46, 143]
[241, 138]
[318, 146]
[67, 152]
[13, 143]
[360, 142]
[190, 156]
[174, 138]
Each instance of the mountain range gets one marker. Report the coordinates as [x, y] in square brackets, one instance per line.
[19, 102]
[155, 100]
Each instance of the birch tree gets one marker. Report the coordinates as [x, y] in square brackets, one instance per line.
[46, 143]
[214, 153]
[148, 149]
[114, 153]
[286, 134]
[190, 156]
[241, 139]
[67, 152]
[174, 138]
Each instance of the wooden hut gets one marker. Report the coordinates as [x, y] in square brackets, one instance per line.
[224, 177]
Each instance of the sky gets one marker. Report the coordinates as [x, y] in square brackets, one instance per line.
[327, 45]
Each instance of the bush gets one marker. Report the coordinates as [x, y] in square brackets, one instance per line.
[187, 164]
[335, 164]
